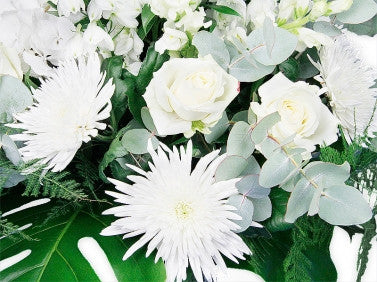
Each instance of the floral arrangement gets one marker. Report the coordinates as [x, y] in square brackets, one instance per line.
[153, 140]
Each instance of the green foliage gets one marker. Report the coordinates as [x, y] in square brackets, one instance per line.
[365, 246]
[309, 234]
[55, 255]
[290, 68]
[224, 10]
[53, 185]
[11, 230]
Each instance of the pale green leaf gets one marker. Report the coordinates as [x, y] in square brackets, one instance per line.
[360, 11]
[239, 140]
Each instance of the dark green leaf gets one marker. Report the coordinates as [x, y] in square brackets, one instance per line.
[224, 10]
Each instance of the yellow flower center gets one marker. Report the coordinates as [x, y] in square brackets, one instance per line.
[183, 210]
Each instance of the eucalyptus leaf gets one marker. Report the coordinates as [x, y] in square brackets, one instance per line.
[284, 43]
[136, 141]
[13, 177]
[326, 28]
[248, 70]
[249, 187]
[230, 167]
[245, 209]
[252, 166]
[15, 97]
[262, 208]
[260, 131]
[343, 205]
[239, 140]
[299, 200]
[10, 149]
[147, 120]
[209, 43]
[276, 169]
[360, 11]
[218, 130]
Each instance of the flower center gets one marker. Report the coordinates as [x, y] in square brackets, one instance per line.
[183, 210]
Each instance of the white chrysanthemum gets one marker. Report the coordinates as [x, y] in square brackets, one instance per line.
[182, 213]
[349, 82]
[67, 111]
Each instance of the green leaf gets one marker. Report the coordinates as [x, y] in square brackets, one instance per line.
[147, 18]
[116, 150]
[360, 11]
[209, 43]
[147, 120]
[230, 167]
[343, 205]
[245, 209]
[113, 67]
[55, 255]
[152, 63]
[224, 10]
[290, 68]
[14, 97]
[307, 69]
[136, 141]
[239, 140]
[218, 130]
[240, 116]
[279, 199]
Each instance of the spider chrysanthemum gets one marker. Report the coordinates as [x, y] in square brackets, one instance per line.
[68, 109]
[349, 84]
[182, 213]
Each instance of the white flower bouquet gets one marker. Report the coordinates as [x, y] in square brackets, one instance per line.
[161, 140]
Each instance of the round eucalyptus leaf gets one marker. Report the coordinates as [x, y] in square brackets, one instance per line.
[344, 205]
[245, 209]
[15, 97]
[360, 11]
[136, 141]
[262, 208]
[230, 167]
[249, 187]
[218, 130]
[239, 140]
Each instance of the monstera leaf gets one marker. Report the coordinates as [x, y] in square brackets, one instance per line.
[69, 248]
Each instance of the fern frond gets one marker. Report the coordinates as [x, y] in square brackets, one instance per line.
[12, 231]
[54, 185]
[310, 232]
[365, 247]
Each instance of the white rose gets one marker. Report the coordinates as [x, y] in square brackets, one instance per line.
[301, 110]
[10, 63]
[172, 40]
[187, 95]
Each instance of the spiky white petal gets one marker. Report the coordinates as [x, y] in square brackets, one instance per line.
[182, 213]
[349, 82]
[68, 110]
